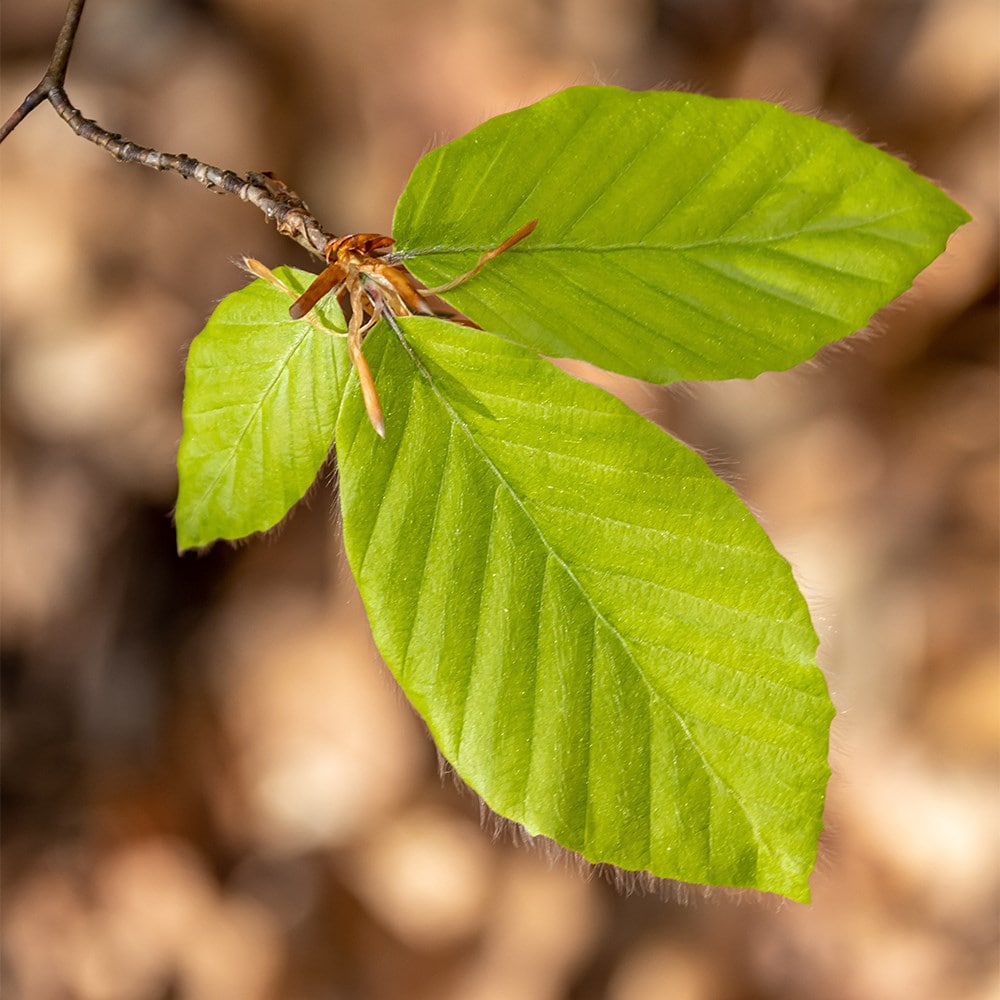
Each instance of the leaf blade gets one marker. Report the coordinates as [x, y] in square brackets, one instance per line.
[551, 585]
[261, 396]
[679, 236]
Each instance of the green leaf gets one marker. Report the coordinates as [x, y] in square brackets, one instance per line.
[602, 640]
[679, 236]
[261, 397]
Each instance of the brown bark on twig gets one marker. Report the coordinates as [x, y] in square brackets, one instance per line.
[265, 192]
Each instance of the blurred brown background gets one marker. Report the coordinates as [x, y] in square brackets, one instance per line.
[211, 788]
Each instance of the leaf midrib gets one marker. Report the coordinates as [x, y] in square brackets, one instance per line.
[403, 255]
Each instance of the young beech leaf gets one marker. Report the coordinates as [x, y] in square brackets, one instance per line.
[679, 236]
[602, 640]
[600, 637]
[261, 396]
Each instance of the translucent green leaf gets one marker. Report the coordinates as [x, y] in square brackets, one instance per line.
[679, 236]
[602, 640]
[261, 396]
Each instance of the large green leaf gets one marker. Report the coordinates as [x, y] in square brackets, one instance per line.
[602, 640]
[679, 236]
[261, 396]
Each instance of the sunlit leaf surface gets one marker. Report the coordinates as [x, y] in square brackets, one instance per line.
[602, 640]
[261, 396]
[679, 236]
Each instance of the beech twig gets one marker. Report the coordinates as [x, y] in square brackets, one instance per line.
[263, 190]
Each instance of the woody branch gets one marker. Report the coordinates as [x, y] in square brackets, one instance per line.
[280, 204]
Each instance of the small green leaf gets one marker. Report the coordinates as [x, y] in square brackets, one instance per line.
[261, 397]
[602, 640]
[679, 236]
